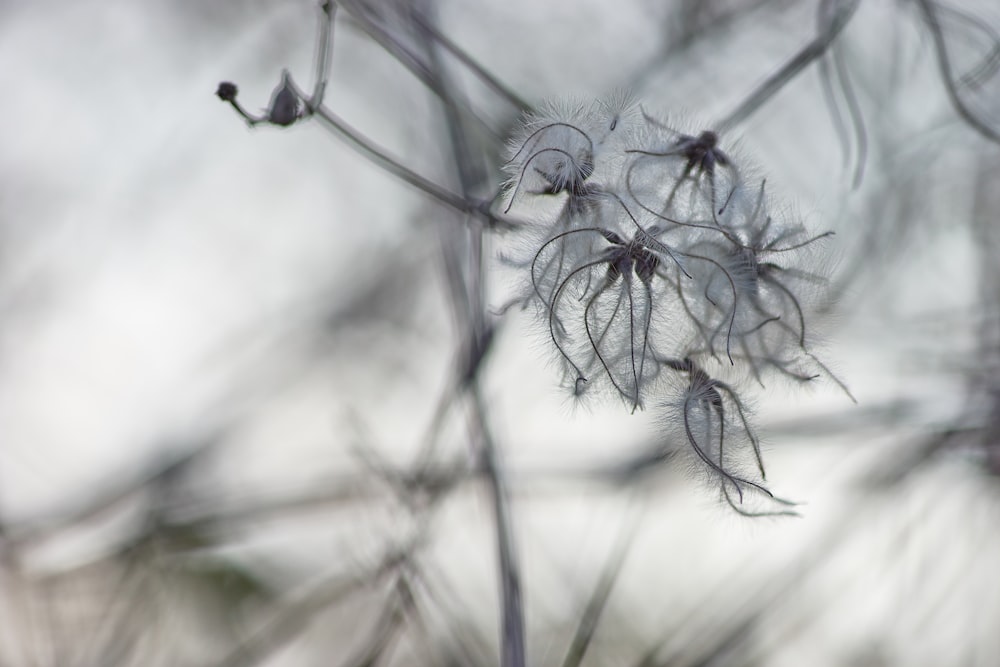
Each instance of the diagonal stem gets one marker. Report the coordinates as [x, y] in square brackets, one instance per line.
[791, 69]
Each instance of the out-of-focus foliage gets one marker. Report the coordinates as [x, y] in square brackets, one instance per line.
[268, 396]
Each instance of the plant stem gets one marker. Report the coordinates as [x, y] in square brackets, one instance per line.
[790, 70]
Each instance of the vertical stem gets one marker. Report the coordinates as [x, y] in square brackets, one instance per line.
[512, 625]
[471, 173]
[323, 55]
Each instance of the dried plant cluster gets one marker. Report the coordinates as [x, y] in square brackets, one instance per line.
[665, 260]
[661, 270]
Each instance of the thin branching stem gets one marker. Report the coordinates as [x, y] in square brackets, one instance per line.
[406, 57]
[512, 630]
[324, 49]
[944, 65]
[805, 57]
[383, 159]
[478, 70]
[470, 173]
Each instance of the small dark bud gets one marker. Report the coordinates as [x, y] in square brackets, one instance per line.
[284, 109]
[227, 91]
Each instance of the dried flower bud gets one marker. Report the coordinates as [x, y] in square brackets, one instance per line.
[284, 108]
[227, 91]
